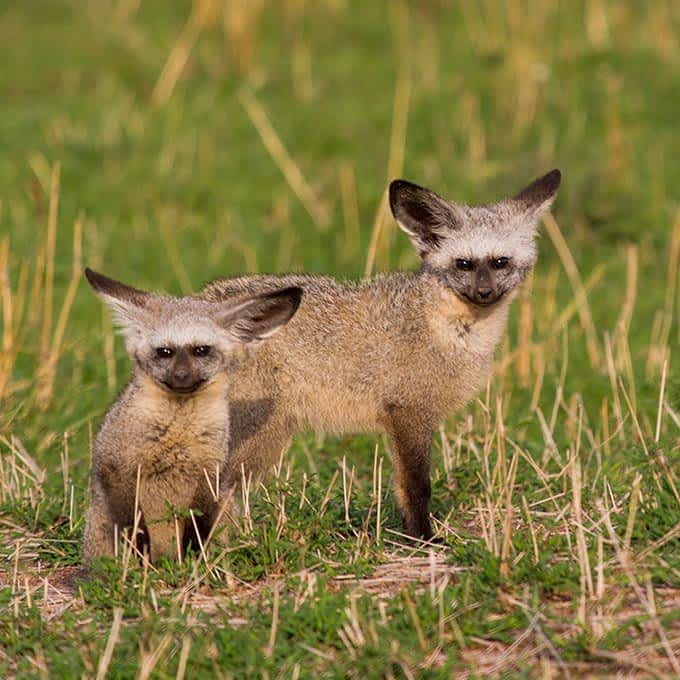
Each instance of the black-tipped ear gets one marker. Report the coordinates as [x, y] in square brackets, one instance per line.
[261, 316]
[541, 192]
[116, 290]
[422, 214]
[128, 303]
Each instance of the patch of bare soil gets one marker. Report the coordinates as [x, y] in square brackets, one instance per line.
[53, 591]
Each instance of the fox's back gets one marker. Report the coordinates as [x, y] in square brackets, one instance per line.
[354, 348]
[339, 326]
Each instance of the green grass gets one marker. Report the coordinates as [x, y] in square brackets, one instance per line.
[134, 134]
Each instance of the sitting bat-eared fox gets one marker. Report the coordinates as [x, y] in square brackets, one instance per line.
[162, 448]
[397, 353]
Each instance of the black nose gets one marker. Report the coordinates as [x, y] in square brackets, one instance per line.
[484, 293]
[182, 378]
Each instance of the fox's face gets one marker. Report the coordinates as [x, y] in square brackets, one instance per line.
[185, 343]
[480, 252]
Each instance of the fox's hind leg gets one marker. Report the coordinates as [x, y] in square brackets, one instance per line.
[259, 433]
[107, 517]
[410, 439]
[163, 536]
[98, 540]
[165, 528]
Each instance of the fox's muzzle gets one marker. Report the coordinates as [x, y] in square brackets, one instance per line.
[483, 290]
[182, 376]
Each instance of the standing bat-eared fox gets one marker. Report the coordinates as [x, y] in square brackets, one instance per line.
[396, 353]
[162, 448]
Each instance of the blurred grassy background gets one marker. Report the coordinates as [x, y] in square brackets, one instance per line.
[149, 110]
[169, 143]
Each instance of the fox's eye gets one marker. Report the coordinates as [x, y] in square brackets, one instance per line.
[465, 265]
[499, 262]
[202, 350]
[164, 352]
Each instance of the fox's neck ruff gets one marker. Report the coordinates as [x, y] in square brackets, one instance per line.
[459, 324]
[184, 433]
[166, 400]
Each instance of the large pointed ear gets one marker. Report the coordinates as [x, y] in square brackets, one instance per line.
[535, 199]
[128, 303]
[260, 316]
[424, 216]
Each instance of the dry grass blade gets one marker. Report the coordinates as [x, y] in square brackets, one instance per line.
[416, 621]
[291, 171]
[586, 580]
[8, 318]
[670, 535]
[402, 98]
[240, 23]
[673, 267]
[506, 545]
[571, 269]
[51, 242]
[269, 649]
[105, 659]
[48, 369]
[6, 297]
[381, 217]
[350, 211]
[183, 658]
[659, 412]
[177, 60]
[172, 252]
[623, 323]
[150, 657]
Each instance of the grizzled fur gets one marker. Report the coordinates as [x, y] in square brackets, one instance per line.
[163, 444]
[396, 353]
